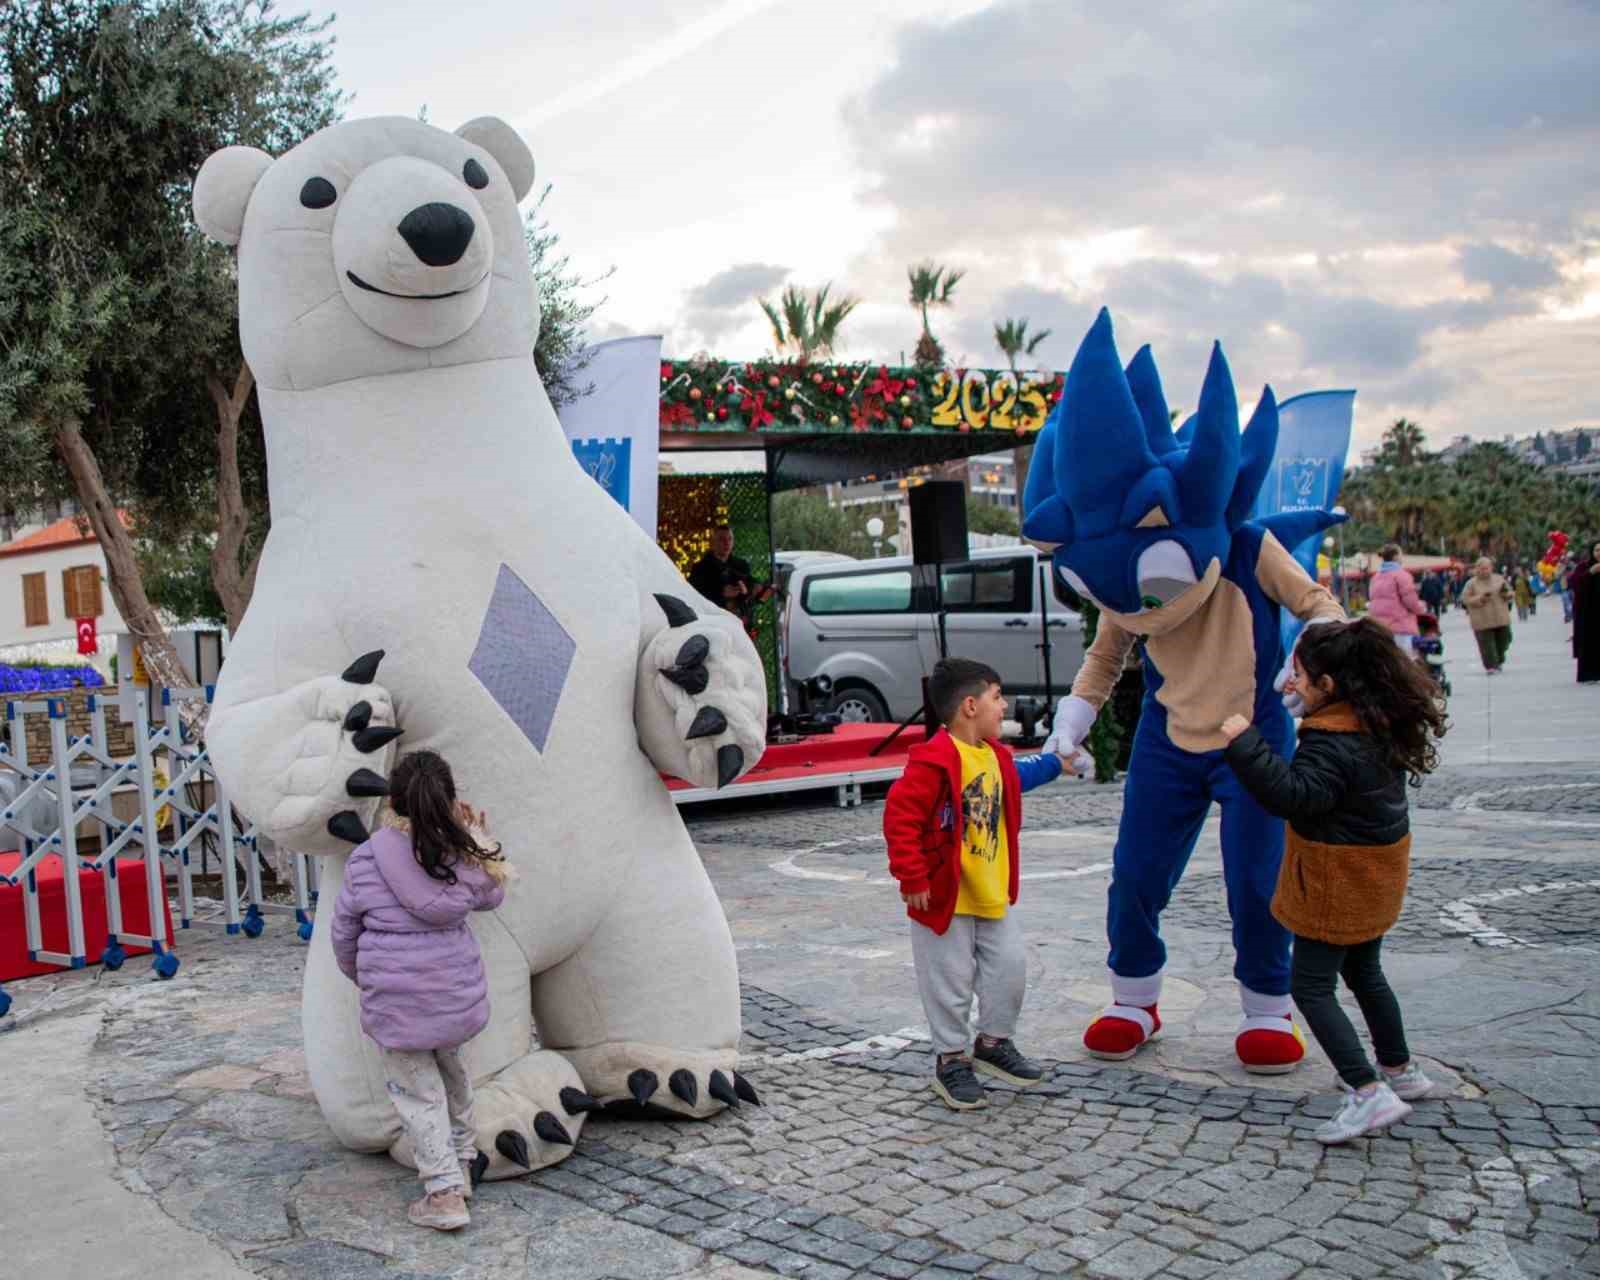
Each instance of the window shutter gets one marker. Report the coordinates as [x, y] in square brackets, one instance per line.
[80, 588]
[35, 600]
[69, 592]
[91, 592]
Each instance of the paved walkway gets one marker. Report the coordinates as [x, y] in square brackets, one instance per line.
[179, 1114]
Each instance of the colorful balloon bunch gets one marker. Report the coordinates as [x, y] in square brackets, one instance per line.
[1554, 553]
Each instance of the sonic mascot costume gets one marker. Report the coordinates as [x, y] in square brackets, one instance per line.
[1153, 528]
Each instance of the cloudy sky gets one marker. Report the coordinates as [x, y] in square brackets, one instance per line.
[1400, 198]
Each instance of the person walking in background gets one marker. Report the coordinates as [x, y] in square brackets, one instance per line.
[1585, 582]
[1393, 598]
[1432, 591]
[1564, 587]
[1487, 600]
[1522, 592]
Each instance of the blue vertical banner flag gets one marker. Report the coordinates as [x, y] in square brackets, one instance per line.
[615, 429]
[1308, 471]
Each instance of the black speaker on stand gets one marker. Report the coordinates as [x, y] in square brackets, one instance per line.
[938, 535]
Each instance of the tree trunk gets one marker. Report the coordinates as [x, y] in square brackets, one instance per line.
[127, 585]
[1021, 456]
[234, 586]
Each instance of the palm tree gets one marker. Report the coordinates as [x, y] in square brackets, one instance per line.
[808, 326]
[1011, 336]
[931, 286]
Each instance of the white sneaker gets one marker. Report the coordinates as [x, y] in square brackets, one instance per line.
[1409, 1083]
[1364, 1113]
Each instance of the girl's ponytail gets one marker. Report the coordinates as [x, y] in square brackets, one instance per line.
[422, 790]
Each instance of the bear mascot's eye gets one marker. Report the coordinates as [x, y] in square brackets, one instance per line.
[475, 176]
[318, 193]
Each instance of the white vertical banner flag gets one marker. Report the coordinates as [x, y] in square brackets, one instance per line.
[615, 430]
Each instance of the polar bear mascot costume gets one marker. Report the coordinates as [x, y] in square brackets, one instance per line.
[441, 574]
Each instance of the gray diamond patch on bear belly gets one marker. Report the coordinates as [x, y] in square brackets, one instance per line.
[522, 657]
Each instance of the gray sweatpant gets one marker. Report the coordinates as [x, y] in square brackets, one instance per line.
[432, 1091]
[974, 956]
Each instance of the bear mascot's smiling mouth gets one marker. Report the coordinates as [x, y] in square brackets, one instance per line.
[413, 297]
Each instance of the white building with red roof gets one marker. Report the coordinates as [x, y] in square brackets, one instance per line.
[49, 579]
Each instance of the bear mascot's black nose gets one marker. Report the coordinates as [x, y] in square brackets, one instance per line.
[438, 233]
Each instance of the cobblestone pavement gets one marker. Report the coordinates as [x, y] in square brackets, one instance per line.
[1169, 1166]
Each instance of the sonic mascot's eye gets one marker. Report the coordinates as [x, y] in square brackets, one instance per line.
[318, 193]
[1074, 581]
[1165, 573]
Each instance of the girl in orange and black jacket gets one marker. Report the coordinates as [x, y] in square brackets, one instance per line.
[1371, 718]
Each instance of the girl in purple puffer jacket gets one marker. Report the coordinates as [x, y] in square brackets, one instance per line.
[400, 933]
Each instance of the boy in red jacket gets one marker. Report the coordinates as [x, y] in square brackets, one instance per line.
[951, 825]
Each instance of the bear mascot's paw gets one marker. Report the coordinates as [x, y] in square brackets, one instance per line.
[701, 675]
[1270, 1046]
[1121, 1030]
[632, 1079]
[320, 784]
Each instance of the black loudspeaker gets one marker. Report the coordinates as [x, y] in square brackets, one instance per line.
[938, 522]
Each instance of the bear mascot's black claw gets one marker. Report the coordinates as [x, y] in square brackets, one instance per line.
[346, 825]
[363, 783]
[478, 1167]
[514, 1147]
[549, 1129]
[369, 740]
[358, 717]
[694, 651]
[721, 1090]
[690, 673]
[641, 1084]
[745, 1089]
[707, 721]
[678, 613]
[364, 670]
[730, 759]
[575, 1101]
[684, 1086]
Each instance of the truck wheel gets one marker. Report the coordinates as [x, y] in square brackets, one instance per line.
[857, 705]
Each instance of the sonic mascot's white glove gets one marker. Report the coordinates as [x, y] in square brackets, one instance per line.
[1074, 718]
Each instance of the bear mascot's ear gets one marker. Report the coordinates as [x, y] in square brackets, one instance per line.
[505, 144]
[222, 190]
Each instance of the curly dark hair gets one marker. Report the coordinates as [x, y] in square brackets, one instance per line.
[423, 791]
[1389, 692]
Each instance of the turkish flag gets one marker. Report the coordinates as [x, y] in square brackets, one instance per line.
[88, 642]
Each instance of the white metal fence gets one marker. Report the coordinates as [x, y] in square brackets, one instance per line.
[46, 802]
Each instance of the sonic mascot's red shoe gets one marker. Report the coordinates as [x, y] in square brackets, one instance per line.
[1269, 1042]
[1128, 1022]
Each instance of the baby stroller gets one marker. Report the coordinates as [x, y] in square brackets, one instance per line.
[1428, 646]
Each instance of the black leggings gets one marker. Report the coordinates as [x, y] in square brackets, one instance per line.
[1314, 982]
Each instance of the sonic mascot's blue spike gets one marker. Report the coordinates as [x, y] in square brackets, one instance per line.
[1145, 383]
[1153, 526]
[1259, 445]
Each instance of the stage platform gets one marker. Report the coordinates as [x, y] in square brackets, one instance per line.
[14, 961]
[839, 759]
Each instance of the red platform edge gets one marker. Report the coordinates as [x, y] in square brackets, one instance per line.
[14, 962]
[842, 752]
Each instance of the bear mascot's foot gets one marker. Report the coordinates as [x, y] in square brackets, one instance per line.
[1269, 1043]
[1128, 1022]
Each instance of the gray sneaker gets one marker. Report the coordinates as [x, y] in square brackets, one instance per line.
[1410, 1083]
[954, 1082]
[1364, 1113]
[1004, 1061]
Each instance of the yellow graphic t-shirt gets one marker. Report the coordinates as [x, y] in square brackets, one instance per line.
[985, 859]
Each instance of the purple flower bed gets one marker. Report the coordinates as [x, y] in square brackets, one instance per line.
[47, 679]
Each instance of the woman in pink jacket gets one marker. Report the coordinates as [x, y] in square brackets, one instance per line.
[400, 933]
[1392, 598]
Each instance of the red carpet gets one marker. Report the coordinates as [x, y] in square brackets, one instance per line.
[14, 962]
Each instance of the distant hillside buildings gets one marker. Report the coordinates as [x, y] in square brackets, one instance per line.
[1576, 452]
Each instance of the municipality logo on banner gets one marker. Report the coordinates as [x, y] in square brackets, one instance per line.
[1303, 484]
[607, 463]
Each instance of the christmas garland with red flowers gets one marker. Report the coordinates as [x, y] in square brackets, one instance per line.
[704, 394]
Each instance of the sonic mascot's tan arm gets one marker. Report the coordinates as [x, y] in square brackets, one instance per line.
[1282, 578]
[1103, 664]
